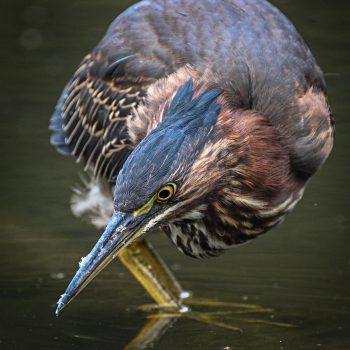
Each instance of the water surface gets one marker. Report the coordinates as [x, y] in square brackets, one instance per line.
[301, 270]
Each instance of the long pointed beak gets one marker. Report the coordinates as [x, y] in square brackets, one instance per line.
[122, 230]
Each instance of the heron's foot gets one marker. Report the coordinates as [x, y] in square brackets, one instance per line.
[163, 309]
[228, 315]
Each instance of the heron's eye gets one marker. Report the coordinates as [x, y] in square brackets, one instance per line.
[166, 193]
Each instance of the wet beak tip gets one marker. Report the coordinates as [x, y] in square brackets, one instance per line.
[62, 302]
[58, 309]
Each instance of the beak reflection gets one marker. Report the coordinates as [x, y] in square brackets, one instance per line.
[122, 230]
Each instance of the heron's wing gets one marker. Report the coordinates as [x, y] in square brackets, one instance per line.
[90, 118]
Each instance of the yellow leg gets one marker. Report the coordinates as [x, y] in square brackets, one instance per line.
[150, 270]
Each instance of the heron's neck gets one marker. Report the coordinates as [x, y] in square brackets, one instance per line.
[256, 187]
[258, 161]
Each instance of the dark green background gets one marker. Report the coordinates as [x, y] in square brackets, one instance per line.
[301, 269]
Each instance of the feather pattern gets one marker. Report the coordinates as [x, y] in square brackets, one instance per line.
[90, 118]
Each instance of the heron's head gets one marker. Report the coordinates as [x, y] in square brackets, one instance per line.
[166, 177]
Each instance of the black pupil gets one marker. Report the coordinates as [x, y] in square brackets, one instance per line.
[164, 194]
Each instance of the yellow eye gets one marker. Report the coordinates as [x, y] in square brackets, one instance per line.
[166, 193]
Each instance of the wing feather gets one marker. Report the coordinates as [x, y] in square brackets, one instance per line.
[90, 118]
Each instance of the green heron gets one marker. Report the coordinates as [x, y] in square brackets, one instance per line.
[202, 119]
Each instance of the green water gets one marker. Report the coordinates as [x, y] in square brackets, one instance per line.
[301, 270]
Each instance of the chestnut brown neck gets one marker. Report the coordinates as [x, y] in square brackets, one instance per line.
[256, 158]
[257, 187]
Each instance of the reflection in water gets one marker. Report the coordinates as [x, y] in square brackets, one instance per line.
[153, 329]
[229, 316]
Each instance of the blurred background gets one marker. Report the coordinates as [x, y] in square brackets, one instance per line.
[301, 269]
